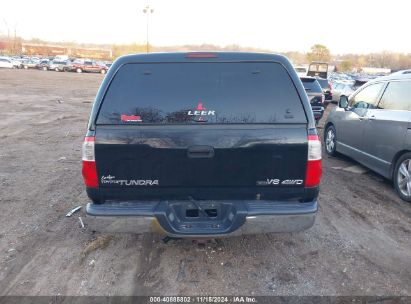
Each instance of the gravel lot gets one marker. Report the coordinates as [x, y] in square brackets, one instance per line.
[359, 245]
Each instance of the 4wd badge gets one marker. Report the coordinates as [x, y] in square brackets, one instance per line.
[276, 181]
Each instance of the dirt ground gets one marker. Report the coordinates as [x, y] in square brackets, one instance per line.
[359, 245]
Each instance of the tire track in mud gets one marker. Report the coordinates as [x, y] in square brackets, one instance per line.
[148, 278]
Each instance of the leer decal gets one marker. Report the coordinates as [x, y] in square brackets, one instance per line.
[201, 111]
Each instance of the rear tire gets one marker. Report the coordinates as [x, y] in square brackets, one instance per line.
[330, 140]
[402, 177]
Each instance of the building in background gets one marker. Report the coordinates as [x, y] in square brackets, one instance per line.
[49, 50]
[31, 49]
[3, 47]
[10, 46]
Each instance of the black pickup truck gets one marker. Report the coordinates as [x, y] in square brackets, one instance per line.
[201, 145]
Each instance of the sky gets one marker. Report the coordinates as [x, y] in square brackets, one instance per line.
[345, 26]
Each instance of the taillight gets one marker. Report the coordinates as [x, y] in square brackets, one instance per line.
[89, 163]
[314, 166]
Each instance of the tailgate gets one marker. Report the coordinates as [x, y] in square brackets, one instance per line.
[202, 161]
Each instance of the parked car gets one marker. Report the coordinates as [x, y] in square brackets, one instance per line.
[359, 82]
[200, 145]
[30, 64]
[301, 71]
[372, 127]
[318, 69]
[6, 63]
[326, 87]
[315, 96]
[342, 89]
[60, 66]
[401, 72]
[17, 62]
[88, 66]
[43, 64]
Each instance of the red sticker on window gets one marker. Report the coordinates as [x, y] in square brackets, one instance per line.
[131, 118]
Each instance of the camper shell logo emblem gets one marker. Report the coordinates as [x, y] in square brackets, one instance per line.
[201, 111]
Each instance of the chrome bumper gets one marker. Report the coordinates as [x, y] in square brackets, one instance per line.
[253, 225]
[258, 217]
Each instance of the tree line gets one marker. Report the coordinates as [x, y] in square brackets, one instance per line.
[347, 62]
[318, 52]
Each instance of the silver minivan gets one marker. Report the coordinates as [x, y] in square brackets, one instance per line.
[373, 126]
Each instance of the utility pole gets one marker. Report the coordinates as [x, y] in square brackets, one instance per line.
[147, 10]
[15, 38]
[8, 34]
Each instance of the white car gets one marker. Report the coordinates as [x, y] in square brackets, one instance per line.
[17, 62]
[6, 63]
[301, 71]
[342, 89]
[401, 72]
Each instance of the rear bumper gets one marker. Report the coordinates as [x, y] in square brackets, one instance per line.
[328, 96]
[318, 112]
[238, 218]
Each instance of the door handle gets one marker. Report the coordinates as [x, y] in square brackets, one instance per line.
[200, 152]
[362, 118]
[372, 117]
